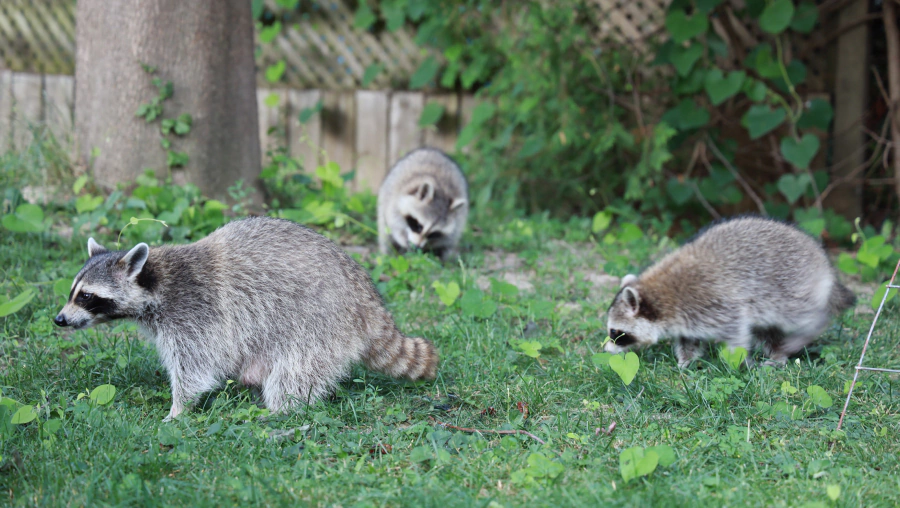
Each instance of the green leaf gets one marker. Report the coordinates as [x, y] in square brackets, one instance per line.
[394, 12]
[274, 72]
[431, 114]
[761, 119]
[87, 203]
[308, 113]
[483, 112]
[24, 415]
[425, 73]
[833, 492]
[14, 305]
[79, 184]
[364, 18]
[268, 34]
[635, 462]
[272, 100]
[879, 294]
[706, 6]
[103, 394]
[686, 115]
[626, 367]
[819, 396]
[680, 192]
[27, 218]
[755, 90]
[735, 358]
[847, 264]
[818, 114]
[793, 186]
[330, 173]
[540, 466]
[601, 221]
[474, 304]
[776, 16]
[256, 8]
[530, 348]
[682, 27]
[805, 17]
[721, 88]
[371, 72]
[62, 287]
[503, 288]
[800, 153]
[666, 454]
[447, 293]
[400, 264]
[684, 58]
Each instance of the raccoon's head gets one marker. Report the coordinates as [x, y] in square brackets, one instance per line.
[425, 217]
[631, 321]
[106, 288]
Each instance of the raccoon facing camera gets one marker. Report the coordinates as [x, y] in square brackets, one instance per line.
[423, 203]
[265, 301]
[748, 282]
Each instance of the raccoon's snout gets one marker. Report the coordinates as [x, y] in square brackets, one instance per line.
[60, 320]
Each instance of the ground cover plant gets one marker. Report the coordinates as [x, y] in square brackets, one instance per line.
[526, 410]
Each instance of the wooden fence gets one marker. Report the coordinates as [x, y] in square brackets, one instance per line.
[364, 130]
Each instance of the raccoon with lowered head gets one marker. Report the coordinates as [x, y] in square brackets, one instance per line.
[262, 300]
[423, 203]
[747, 282]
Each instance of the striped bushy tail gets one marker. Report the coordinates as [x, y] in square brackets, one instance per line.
[841, 298]
[398, 356]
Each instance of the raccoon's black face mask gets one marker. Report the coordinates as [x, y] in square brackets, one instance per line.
[105, 274]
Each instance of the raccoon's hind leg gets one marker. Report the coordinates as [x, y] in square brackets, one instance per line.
[399, 356]
[687, 350]
[298, 381]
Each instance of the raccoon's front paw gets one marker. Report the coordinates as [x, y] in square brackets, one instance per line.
[777, 363]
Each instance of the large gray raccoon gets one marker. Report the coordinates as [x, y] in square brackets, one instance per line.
[746, 281]
[264, 300]
[423, 203]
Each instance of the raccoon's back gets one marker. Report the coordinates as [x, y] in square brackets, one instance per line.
[263, 276]
[425, 162]
[744, 261]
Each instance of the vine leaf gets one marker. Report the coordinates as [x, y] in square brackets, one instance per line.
[800, 153]
[761, 119]
[777, 16]
[721, 88]
[682, 27]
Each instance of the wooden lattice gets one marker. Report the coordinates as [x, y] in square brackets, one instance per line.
[38, 36]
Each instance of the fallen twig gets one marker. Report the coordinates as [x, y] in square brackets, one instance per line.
[489, 431]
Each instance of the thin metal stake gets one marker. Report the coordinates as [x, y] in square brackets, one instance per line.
[859, 366]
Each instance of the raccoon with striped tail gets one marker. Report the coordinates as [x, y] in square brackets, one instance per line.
[265, 301]
[423, 203]
[747, 281]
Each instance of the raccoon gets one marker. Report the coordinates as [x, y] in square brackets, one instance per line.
[747, 281]
[265, 301]
[423, 203]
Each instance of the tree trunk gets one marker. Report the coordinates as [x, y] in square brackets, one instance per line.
[893, 65]
[206, 50]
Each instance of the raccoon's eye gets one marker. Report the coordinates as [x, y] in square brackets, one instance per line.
[434, 234]
[413, 224]
[85, 295]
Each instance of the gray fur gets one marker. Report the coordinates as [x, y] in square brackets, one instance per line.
[262, 300]
[429, 188]
[747, 281]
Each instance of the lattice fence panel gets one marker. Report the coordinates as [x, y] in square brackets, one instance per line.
[38, 36]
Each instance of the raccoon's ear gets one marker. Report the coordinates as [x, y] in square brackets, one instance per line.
[423, 191]
[95, 248]
[628, 279]
[632, 299]
[134, 260]
[456, 203]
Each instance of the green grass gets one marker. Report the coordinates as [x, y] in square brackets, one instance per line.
[741, 437]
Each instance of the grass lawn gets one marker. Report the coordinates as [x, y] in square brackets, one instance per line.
[518, 352]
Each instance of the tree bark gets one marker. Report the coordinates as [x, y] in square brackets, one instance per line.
[893, 65]
[206, 50]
